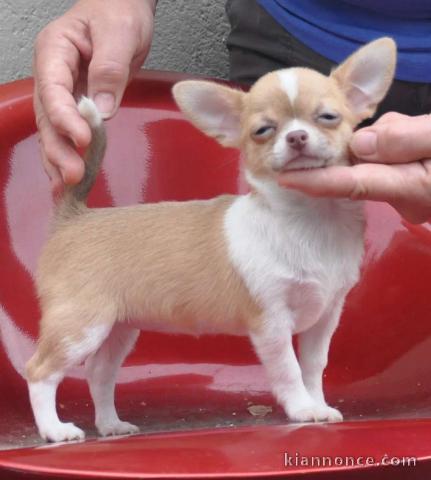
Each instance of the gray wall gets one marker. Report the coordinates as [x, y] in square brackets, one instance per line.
[189, 35]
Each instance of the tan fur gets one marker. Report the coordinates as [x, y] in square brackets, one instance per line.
[168, 261]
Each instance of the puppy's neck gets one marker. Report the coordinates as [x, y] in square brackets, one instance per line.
[277, 198]
[291, 205]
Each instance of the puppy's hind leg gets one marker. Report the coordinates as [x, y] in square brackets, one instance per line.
[55, 354]
[42, 398]
[102, 368]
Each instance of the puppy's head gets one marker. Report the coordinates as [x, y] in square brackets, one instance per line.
[294, 118]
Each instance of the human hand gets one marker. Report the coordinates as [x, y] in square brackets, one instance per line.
[399, 148]
[94, 48]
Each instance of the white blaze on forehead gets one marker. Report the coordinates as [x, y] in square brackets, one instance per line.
[289, 83]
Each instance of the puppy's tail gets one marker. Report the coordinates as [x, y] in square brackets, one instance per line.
[75, 196]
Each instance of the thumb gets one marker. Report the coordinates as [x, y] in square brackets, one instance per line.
[109, 69]
[404, 140]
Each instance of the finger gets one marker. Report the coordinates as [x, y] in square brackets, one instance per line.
[404, 140]
[57, 185]
[52, 171]
[109, 69]
[56, 63]
[59, 156]
[360, 182]
[412, 213]
[390, 117]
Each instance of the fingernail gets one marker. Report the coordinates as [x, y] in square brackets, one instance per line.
[105, 102]
[364, 144]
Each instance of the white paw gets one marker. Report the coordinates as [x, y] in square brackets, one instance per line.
[62, 432]
[329, 414]
[117, 428]
[316, 413]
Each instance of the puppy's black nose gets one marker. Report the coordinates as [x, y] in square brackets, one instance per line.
[297, 139]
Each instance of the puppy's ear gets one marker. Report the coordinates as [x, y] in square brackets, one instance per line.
[213, 108]
[365, 77]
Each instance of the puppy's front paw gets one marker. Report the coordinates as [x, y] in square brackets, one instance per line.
[316, 413]
[117, 428]
[329, 414]
[62, 432]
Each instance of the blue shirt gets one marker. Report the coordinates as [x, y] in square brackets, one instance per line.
[335, 28]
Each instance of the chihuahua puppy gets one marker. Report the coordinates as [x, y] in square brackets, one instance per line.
[270, 264]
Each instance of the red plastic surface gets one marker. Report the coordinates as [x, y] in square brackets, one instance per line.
[191, 396]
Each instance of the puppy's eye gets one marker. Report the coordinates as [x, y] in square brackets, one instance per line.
[328, 116]
[264, 132]
[330, 119]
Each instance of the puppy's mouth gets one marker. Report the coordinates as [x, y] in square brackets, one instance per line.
[303, 162]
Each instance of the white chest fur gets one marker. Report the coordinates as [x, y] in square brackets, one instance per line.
[294, 251]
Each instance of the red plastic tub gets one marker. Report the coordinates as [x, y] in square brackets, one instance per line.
[192, 396]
